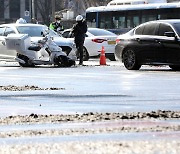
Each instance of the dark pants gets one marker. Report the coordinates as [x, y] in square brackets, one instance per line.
[79, 46]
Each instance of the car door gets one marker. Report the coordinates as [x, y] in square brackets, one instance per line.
[146, 45]
[170, 46]
[2, 41]
[4, 52]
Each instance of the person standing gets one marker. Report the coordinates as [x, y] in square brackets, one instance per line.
[56, 26]
[79, 30]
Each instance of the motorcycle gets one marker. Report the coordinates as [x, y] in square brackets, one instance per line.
[44, 52]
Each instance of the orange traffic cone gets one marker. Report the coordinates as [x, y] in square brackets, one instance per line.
[102, 57]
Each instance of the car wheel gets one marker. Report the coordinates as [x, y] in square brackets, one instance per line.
[175, 67]
[85, 54]
[26, 59]
[112, 58]
[130, 60]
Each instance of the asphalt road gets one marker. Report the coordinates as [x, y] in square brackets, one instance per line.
[90, 88]
[56, 110]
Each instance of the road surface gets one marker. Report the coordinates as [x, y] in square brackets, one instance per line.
[89, 109]
[90, 88]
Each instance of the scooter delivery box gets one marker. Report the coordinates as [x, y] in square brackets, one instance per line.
[19, 42]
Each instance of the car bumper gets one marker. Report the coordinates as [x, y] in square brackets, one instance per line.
[118, 52]
[109, 49]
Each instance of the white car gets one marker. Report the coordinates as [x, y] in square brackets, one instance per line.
[95, 39]
[35, 33]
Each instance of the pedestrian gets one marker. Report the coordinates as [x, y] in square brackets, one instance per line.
[79, 30]
[34, 21]
[56, 26]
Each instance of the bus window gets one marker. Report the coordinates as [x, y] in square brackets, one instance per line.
[146, 18]
[148, 15]
[119, 20]
[128, 22]
[169, 13]
[132, 19]
[91, 19]
[136, 21]
[105, 21]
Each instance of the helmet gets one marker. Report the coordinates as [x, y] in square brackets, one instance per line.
[21, 21]
[57, 17]
[79, 18]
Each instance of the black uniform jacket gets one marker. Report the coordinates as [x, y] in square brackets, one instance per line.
[79, 30]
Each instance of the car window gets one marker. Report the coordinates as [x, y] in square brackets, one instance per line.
[34, 31]
[2, 31]
[164, 28]
[100, 32]
[139, 30]
[53, 33]
[8, 31]
[150, 29]
[177, 27]
[67, 35]
[31, 31]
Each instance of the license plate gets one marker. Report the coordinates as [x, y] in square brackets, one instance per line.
[111, 42]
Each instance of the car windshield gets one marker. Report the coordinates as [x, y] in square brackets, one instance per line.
[34, 31]
[177, 27]
[100, 32]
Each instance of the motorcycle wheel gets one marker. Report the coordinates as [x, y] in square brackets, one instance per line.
[26, 59]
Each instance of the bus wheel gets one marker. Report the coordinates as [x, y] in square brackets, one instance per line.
[130, 60]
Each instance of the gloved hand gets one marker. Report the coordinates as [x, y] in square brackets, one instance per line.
[58, 29]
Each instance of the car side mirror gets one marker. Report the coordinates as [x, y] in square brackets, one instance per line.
[169, 34]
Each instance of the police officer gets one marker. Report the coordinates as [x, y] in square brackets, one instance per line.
[79, 30]
[56, 26]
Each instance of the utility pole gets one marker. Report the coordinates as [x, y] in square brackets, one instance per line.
[53, 9]
[33, 9]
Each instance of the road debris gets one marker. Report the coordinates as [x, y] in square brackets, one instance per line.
[26, 87]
